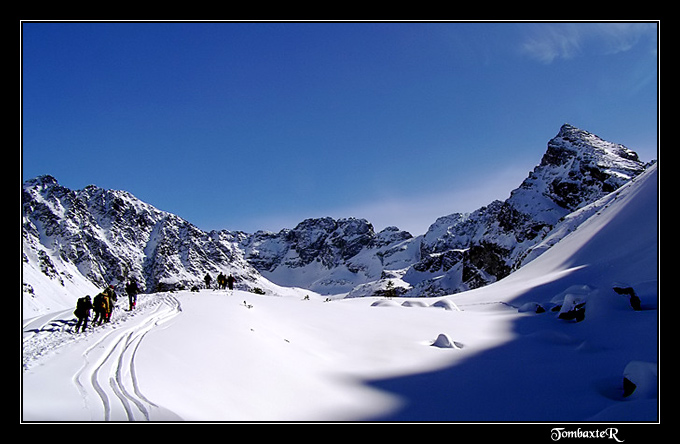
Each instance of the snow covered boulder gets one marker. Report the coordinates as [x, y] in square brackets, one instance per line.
[640, 379]
[573, 305]
[648, 292]
[446, 305]
[632, 297]
[444, 341]
[384, 303]
[573, 309]
[414, 303]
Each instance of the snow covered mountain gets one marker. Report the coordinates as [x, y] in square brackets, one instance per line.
[465, 251]
[329, 256]
[459, 251]
[75, 242]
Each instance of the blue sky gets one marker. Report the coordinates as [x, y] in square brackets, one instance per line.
[247, 126]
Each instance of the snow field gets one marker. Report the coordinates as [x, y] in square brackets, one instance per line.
[208, 357]
[289, 359]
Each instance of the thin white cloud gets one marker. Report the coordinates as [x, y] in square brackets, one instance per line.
[552, 41]
[415, 214]
[547, 42]
[620, 37]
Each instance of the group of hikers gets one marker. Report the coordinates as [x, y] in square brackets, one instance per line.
[103, 305]
[222, 281]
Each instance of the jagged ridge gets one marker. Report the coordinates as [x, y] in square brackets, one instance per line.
[107, 236]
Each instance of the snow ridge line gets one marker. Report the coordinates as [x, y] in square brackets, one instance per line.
[114, 360]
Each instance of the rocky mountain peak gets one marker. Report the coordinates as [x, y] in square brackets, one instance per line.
[574, 143]
[577, 168]
[41, 182]
[474, 249]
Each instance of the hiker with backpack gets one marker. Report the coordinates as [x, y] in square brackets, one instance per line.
[82, 312]
[221, 281]
[112, 298]
[207, 280]
[100, 307]
[230, 282]
[132, 290]
[103, 305]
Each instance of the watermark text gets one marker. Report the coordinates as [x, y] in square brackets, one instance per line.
[561, 433]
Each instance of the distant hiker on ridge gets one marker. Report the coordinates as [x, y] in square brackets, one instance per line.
[132, 289]
[221, 281]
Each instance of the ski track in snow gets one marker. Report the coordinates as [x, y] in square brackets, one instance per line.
[107, 377]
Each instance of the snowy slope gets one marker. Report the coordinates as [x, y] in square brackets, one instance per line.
[481, 355]
[555, 370]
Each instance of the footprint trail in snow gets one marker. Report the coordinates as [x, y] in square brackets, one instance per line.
[107, 380]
